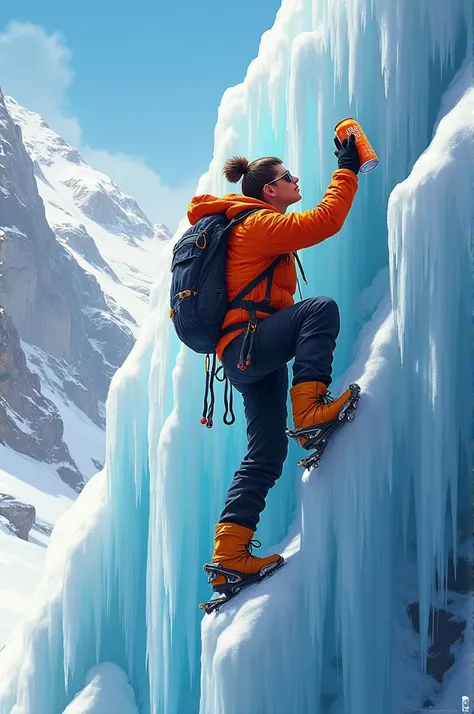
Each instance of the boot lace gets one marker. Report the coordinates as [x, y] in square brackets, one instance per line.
[253, 544]
[325, 398]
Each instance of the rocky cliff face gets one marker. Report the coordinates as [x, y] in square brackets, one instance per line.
[30, 423]
[17, 516]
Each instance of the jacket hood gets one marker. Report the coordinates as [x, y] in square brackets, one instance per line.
[231, 203]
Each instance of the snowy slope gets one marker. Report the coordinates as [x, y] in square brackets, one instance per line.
[22, 561]
[85, 440]
[375, 527]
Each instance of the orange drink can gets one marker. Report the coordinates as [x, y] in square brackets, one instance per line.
[368, 158]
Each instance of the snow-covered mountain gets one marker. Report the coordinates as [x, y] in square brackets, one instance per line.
[77, 260]
[105, 231]
[86, 255]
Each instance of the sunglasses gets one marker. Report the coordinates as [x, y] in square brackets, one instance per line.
[287, 176]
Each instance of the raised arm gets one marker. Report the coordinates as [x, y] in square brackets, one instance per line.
[276, 233]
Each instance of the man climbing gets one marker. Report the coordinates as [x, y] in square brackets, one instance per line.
[255, 359]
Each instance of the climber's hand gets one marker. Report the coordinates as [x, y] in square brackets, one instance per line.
[347, 154]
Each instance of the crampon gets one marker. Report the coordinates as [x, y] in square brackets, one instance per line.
[236, 582]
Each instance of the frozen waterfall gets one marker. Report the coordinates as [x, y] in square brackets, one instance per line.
[372, 529]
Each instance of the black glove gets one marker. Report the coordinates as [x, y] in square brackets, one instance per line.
[347, 154]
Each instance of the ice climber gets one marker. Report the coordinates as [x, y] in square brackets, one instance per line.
[255, 359]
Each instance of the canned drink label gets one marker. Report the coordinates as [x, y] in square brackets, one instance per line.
[368, 158]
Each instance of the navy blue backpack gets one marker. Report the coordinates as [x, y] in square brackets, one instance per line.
[198, 299]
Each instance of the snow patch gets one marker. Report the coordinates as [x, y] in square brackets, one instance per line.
[106, 691]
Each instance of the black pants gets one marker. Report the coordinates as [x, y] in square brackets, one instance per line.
[306, 331]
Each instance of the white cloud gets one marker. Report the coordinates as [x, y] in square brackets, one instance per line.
[35, 69]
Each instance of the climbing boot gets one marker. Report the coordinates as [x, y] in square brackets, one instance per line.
[317, 414]
[233, 566]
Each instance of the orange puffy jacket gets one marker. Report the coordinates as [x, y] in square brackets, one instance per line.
[259, 239]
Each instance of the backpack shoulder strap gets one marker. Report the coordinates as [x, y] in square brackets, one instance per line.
[267, 274]
[242, 216]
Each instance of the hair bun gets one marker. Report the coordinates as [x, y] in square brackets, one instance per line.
[235, 168]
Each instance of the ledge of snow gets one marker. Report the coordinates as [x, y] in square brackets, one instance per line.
[106, 691]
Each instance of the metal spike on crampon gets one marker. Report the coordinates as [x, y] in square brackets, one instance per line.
[232, 589]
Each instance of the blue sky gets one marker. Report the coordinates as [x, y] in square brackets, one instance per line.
[136, 86]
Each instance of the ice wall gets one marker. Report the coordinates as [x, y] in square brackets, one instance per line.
[124, 571]
[392, 499]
